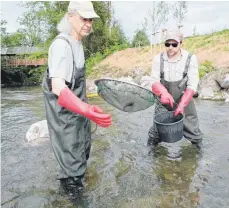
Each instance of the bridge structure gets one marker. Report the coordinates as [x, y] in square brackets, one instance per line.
[11, 57]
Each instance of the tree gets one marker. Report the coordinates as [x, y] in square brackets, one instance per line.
[41, 19]
[106, 33]
[158, 16]
[10, 39]
[31, 29]
[181, 8]
[4, 34]
[98, 40]
[13, 40]
[3, 28]
[194, 31]
[116, 34]
[140, 39]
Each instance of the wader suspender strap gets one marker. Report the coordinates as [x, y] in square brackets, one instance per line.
[187, 65]
[162, 69]
[74, 64]
[185, 76]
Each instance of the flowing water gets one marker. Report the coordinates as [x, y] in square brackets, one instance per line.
[122, 172]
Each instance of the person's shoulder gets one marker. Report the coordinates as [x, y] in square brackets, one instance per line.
[184, 52]
[64, 35]
[157, 58]
[60, 42]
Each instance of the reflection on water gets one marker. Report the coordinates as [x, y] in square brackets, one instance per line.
[122, 172]
[176, 176]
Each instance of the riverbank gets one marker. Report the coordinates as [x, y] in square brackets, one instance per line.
[212, 52]
[213, 86]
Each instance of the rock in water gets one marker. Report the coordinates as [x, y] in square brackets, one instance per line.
[37, 130]
[225, 83]
[206, 93]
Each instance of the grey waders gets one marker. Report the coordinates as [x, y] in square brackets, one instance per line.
[70, 133]
[176, 89]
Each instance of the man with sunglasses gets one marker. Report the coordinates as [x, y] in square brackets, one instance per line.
[175, 79]
[64, 87]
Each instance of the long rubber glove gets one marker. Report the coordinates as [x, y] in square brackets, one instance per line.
[185, 99]
[71, 102]
[159, 90]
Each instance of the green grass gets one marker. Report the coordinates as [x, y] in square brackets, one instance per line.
[206, 41]
[205, 68]
[226, 48]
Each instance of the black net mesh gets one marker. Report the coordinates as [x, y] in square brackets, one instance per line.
[125, 96]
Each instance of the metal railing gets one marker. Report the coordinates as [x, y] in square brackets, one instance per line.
[15, 62]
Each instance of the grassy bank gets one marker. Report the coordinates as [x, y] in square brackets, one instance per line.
[212, 51]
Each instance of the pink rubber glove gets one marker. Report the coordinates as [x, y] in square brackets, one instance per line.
[185, 99]
[71, 102]
[159, 90]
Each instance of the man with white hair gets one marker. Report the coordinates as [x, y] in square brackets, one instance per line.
[175, 79]
[64, 86]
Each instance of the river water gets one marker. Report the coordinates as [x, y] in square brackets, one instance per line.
[122, 172]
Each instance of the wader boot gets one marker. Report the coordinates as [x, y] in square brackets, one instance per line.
[71, 187]
[70, 133]
[191, 123]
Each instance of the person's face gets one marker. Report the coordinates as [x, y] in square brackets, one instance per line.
[81, 25]
[172, 47]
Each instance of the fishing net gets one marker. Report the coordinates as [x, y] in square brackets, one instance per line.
[125, 96]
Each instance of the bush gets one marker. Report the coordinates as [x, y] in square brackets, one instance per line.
[35, 75]
[205, 68]
[93, 60]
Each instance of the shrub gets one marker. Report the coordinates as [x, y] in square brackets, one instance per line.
[205, 68]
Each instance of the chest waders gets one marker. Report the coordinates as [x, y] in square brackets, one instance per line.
[191, 124]
[70, 133]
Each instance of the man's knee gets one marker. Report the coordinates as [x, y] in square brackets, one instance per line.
[194, 137]
[153, 137]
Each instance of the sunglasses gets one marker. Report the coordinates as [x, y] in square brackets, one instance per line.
[171, 44]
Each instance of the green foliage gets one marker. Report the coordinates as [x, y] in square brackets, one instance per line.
[226, 48]
[140, 39]
[104, 36]
[92, 61]
[40, 20]
[206, 41]
[96, 58]
[31, 32]
[36, 75]
[38, 55]
[205, 68]
[12, 40]
[39, 29]
[117, 36]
